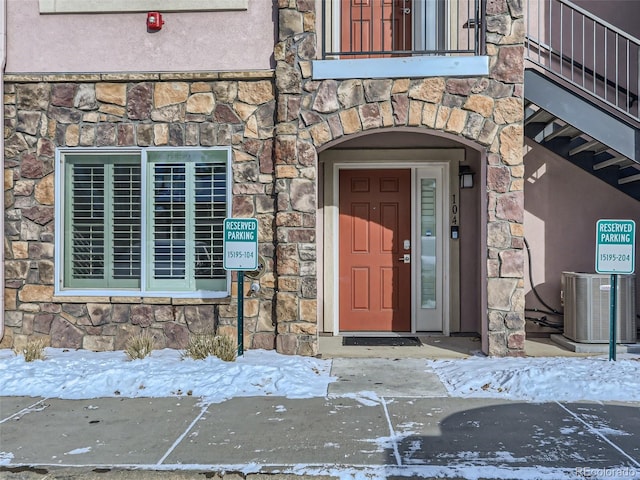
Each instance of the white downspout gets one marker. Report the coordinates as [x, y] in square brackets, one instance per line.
[3, 47]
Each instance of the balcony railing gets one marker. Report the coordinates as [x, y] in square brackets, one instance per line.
[398, 28]
[585, 51]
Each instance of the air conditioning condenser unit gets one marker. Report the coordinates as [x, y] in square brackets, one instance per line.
[587, 307]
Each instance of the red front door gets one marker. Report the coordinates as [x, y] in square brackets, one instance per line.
[375, 222]
[375, 25]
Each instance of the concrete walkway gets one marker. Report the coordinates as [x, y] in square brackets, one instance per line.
[384, 418]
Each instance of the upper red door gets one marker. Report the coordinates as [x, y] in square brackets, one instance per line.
[375, 25]
[375, 223]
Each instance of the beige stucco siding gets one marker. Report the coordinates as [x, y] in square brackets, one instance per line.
[563, 204]
[188, 41]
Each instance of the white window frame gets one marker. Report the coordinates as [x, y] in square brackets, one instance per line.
[142, 291]
[127, 6]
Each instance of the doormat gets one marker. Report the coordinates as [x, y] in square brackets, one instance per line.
[381, 341]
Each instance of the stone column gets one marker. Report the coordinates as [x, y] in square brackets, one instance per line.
[295, 184]
[312, 113]
[505, 183]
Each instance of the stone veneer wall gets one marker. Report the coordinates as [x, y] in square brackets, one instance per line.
[45, 112]
[275, 175]
[488, 111]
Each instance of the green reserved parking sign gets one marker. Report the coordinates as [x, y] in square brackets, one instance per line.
[240, 244]
[615, 246]
[240, 252]
[615, 254]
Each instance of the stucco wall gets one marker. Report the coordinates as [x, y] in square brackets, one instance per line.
[191, 41]
[620, 13]
[563, 204]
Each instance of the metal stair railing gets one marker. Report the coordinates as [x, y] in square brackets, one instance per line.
[584, 50]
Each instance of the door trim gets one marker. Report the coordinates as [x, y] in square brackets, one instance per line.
[379, 159]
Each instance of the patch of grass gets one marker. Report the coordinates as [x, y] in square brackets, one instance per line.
[139, 346]
[33, 350]
[205, 345]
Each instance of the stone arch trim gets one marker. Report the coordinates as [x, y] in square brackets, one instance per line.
[336, 143]
[313, 115]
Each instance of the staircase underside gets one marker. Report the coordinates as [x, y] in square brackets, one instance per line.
[599, 141]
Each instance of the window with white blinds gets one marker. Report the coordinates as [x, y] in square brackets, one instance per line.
[148, 221]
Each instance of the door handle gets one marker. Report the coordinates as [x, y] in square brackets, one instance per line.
[406, 11]
[406, 258]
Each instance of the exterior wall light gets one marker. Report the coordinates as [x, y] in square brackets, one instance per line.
[466, 176]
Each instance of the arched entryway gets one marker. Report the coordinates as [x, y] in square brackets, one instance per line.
[394, 228]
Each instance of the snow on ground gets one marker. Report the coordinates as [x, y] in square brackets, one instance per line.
[84, 374]
[542, 379]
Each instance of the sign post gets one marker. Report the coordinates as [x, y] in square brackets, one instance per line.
[240, 252]
[615, 254]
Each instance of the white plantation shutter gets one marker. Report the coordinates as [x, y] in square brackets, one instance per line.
[188, 205]
[102, 221]
[168, 232]
[87, 222]
[126, 221]
[210, 212]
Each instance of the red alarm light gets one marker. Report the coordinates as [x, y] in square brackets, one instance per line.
[154, 21]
